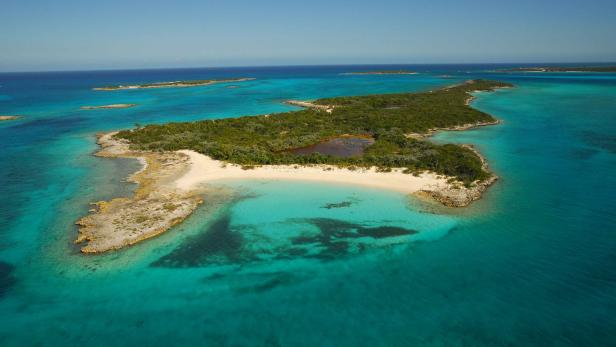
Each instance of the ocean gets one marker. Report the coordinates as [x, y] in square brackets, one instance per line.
[533, 263]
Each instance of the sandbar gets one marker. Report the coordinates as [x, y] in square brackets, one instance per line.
[112, 106]
[6, 118]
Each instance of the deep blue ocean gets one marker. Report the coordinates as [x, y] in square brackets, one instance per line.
[531, 264]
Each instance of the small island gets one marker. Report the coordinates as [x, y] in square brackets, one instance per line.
[376, 140]
[174, 84]
[563, 69]
[106, 107]
[384, 72]
[7, 118]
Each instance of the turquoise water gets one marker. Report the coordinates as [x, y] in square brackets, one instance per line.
[290, 263]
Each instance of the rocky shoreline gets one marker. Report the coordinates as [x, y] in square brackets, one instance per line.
[460, 196]
[171, 185]
[432, 132]
[164, 199]
[155, 207]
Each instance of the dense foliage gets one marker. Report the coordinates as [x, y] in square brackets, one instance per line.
[267, 139]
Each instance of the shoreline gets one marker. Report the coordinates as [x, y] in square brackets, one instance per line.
[154, 208]
[431, 132]
[454, 197]
[205, 170]
[174, 84]
[309, 104]
[105, 107]
[8, 118]
[171, 185]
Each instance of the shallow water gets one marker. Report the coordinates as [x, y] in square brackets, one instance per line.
[289, 263]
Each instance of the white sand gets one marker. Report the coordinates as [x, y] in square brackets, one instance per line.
[207, 170]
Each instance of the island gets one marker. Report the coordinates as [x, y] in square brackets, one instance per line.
[563, 69]
[174, 84]
[308, 104]
[379, 141]
[106, 107]
[6, 118]
[384, 72]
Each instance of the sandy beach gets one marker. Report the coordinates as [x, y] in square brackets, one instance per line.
[171, 185]
[308, 104]
[112, 106]
[443, 189]
[204, 169]
[5, 118]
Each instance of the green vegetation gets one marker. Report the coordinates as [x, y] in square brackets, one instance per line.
[173, 84]
[269, 139]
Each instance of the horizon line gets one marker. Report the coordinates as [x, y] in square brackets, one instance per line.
[300, 65]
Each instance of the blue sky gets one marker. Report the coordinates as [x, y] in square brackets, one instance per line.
[93, 34]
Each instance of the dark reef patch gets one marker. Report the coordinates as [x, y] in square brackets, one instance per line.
[342, 204]
[337, 237]
[385, 231]
[339, 228]
[6, 278]
[220, 243]
[213, 277]
[296, 252]
[601, 141]
[583, 153]
[61, 124]
[278, 279]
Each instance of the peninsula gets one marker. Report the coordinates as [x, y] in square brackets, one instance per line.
[5, 118]
[384, 72]
[308, 104]
[564, 69]
[112, 106]
[174, 84]
[375, 140]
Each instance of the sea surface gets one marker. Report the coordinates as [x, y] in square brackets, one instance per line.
[303, 264]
